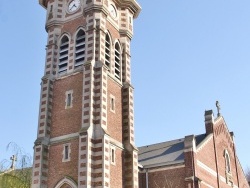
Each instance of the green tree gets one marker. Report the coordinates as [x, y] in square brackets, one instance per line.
[17, 172]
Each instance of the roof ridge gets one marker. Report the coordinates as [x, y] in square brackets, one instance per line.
[180, 139]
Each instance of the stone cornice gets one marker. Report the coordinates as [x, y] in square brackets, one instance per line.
[43, 3]
[132, 5]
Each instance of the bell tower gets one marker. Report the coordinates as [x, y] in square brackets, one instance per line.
[85, 134]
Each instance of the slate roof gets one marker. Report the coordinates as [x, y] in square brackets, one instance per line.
[165, 153]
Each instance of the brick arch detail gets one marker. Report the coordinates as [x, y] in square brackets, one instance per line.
[66, 181]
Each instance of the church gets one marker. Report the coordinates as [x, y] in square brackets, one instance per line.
[85, 134]
[198, 161]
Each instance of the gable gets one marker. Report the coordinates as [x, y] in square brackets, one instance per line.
[226, 157]
[222, 134]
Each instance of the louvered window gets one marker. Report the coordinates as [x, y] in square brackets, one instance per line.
[63, 55]
[80, 48]
[117, 61]
[107, 51]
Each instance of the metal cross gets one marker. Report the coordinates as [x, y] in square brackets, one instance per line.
[13, 160]
[218, 108]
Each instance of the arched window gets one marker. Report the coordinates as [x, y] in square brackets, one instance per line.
[107, 50]
[117, 61]
[227, 162]
[80, 48]
[63, 55]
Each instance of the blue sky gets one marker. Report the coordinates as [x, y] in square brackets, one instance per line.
[186, 54]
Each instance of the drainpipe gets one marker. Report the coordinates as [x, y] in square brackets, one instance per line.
[146, 178]
[193, 167]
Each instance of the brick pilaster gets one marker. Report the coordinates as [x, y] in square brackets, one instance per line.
[84, 168]
[190, 161]
[131, 155]
[40, 163]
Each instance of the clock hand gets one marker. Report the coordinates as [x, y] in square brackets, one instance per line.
[72, 7]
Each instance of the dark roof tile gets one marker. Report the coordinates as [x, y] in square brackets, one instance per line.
[171, 152]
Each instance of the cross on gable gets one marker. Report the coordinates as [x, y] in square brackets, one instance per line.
[218, 108]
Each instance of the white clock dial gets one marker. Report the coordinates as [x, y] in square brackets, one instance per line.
[74, 5]
[112, 11]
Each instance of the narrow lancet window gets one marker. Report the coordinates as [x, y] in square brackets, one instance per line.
[117, 61]
[107, 50]
[66, 152]
[80, 48]
[227, 161]
[63, 55]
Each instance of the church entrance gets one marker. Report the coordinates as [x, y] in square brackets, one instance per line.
[65, 185]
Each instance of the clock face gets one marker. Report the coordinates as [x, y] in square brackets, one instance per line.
[113, 11]
[74, 5]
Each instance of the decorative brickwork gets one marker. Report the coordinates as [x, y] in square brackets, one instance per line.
[203, 161]
[85, 134]
[76, 128]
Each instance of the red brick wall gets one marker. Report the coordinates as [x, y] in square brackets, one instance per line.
[114, 33]
[72, 26]
[207, 177]
[189, 163]
[207, 156]
[114, 119]
[224, 142]
[165, 178]
[116, 171]
[242, 179]
[66, 121]
[58, 169]
[142, 180]
[221, 146]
